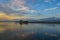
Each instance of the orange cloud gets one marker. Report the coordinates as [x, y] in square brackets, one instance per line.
[4, 16]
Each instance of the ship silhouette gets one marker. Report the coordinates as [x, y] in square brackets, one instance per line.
[23, 22]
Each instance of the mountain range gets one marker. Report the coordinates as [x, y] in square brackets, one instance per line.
[51, 19]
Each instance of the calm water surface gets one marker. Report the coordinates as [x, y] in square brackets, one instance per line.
[13, 31]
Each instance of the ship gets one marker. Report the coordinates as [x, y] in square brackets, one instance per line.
[23, 22]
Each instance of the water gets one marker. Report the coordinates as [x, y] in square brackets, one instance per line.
[13, 31]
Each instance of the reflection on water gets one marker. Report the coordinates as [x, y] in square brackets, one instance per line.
[13, 31]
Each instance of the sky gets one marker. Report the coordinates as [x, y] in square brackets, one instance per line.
[29, 9]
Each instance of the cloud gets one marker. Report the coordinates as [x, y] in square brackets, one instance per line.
[17, 5]
[57, 15]
[16, 9]
[49, 1]
[4, 1]
[51, 9]
[4, 16]
[14, 6]
[46, 0]
[58, 4]
[20, 13]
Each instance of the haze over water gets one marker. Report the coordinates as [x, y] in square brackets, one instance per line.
[15, 31]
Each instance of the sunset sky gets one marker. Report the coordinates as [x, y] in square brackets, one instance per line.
[23, 9]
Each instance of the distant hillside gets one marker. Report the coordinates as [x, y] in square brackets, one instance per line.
[52, 19]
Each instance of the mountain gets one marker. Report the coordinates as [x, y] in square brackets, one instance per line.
[51, 19]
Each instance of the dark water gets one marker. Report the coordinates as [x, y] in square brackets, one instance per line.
[12, 31]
